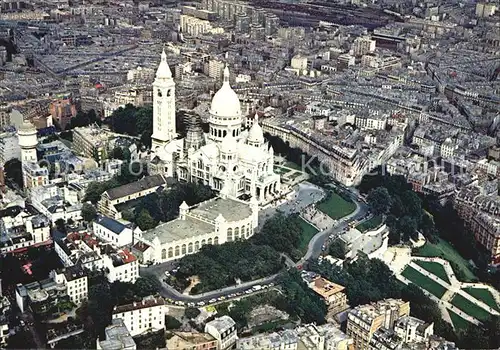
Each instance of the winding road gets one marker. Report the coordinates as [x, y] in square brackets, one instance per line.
[306, 194]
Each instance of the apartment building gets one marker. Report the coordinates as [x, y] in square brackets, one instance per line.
[333, 294]
[147, 315]
[481, 213]
[9, 147]
[22, 231]
[363, 45]
[224, 330]
[63, 286]
[192, 341]
[90, 142]
[364, 320]
[304, 337]
[89, 252]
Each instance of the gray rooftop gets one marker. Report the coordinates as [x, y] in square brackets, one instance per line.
[178, 229]
[231, 209]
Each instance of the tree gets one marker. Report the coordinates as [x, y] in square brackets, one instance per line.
[408, 227]
[337, 249]
[116, 153]
[60, 225]
[89, 212]
[172, 323]
[13, 171]
[191, 312]
[379, 200]
[145, 221]
[147, 285]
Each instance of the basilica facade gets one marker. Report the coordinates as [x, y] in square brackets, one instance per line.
[232, 161]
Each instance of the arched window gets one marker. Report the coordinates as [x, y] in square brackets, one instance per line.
[177, 252]
[190, 247]
[159, 93]
[200, 164]
[169, 92]
[203, 242]
[183, 251]
[209, 241]
[243, 231]
[229, 234]
[163, 254]
[216, 240]
[236, 233]
[170, 252]
[196, 246]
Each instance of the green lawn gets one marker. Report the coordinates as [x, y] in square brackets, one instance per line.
[434, 268]
[483, 295]
[424, 282]
[308, 232]
[458, 322]
[446, 251]
[336, 207]
[470, 308]
[374, 222]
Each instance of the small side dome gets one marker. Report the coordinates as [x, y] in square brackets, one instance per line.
[229, 145]
[256, 135]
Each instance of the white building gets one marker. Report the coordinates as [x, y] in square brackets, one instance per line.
[56, 203]
[23, 230]
[240, 161]
[299, 62]
[216, 221]
[112, 231]
[9, 147]
[224, 330]
[76, 282]
[195, 26]
[87, 251]
[363, 45]
[147, 315]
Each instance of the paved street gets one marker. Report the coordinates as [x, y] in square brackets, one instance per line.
[305, 195]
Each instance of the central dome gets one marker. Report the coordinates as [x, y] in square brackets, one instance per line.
[225, 102]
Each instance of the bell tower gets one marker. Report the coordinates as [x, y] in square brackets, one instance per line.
[163, 105]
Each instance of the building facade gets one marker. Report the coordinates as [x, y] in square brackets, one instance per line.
[147, 315]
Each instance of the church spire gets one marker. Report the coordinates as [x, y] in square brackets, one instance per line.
[226, 75]
[163, 71]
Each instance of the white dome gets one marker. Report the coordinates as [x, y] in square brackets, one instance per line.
[229, 145]
[256, 135]
[163, 71]
[225, 102]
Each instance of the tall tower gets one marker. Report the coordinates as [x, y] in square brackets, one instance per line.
[28, 142]
[163, 105]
